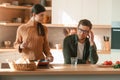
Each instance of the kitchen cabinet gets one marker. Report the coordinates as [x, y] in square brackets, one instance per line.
[90, 10]
[105, 12]
[99, 12]
[15, 15]
[115, 10]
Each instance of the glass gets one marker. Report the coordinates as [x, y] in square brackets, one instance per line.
[74, 60]
[83, 31]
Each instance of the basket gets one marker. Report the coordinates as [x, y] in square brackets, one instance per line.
[23, 67]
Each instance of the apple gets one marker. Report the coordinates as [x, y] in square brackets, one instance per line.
[117, 62]
[107, 63]
[110, 62]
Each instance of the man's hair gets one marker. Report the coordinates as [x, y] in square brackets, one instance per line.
[85, 22]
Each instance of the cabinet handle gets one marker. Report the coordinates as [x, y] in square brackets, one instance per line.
[116, 29]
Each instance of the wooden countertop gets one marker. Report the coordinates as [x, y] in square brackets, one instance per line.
[62, 69]
[13, 49]
[7, 49]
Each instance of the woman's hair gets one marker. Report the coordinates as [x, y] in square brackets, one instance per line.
[38, 8]
[85, 22]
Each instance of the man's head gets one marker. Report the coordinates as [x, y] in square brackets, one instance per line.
[83, 29]
[38, 11]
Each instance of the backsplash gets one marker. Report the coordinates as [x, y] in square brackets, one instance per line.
[99, 37]
[55, 35]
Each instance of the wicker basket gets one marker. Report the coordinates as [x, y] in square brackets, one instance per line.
[23, 67]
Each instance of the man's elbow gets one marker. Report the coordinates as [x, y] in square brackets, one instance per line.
[94, 61]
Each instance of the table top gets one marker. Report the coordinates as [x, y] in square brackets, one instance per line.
[65, 69]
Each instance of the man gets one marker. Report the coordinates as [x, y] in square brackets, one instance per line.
[81, 45]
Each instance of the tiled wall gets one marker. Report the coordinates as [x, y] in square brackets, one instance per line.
[55, 35]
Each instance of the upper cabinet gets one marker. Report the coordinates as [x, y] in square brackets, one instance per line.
[105, 12]
[90, 10]
[115, 10]
[99, 12]
[17, 12]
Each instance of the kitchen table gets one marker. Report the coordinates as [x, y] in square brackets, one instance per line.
[64, 72]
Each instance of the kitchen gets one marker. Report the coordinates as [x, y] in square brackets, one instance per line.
[101, 18]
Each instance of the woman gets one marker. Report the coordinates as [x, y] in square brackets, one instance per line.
[31, 38]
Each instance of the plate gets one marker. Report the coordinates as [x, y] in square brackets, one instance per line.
[105, 66]
[43, 62]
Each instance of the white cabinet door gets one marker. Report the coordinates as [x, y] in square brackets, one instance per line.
[105, 12]
[90, 10]
[99, 12]
[66, 11]
[115, 10]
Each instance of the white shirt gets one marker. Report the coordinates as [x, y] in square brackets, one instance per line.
[80, 50]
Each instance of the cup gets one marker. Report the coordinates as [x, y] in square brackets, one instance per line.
[19, 20]
[58, 46]
[74, 60]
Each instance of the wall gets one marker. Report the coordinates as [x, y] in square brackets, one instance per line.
[55, 35]
[98, 37]
[7, 33]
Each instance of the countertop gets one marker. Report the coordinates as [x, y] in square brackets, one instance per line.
[66, 69]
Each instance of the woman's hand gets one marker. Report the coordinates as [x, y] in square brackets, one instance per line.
[23, 45]
[49, 58]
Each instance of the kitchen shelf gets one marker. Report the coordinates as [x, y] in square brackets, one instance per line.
[10, 24]
[102, 26]
[3, 49]
[21, 7]
[57, 25]
[18, 24]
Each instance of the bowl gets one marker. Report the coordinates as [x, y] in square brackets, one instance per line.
[7, 44]
[43, 62]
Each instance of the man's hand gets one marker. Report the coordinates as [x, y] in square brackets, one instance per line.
[91, 38]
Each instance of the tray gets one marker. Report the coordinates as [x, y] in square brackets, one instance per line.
[105, 66]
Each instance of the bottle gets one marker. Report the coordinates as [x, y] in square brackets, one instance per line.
[106, 43]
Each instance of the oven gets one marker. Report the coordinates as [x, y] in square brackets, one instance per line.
[115, 35]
